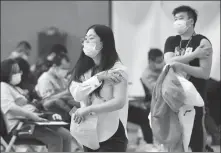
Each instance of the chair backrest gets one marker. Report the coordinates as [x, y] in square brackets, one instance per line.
[3, 131]
[148, 94]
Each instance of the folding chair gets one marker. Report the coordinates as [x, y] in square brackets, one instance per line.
[8, 141]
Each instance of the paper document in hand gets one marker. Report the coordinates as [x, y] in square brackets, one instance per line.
[52, 123]
[86, 132]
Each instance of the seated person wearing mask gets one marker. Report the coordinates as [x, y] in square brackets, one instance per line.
[21, 55]
[154, 68]
[14, 104]
[44, 63]
[54, 81]
[149, 77]
[28, 81]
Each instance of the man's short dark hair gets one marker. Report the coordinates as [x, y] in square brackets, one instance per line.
[192, 13]
[58, 59]
[154, 53]
[24, 44]
[58, 48]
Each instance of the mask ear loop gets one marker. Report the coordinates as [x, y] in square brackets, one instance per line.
[101, 46]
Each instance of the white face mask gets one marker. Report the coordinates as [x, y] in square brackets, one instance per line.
[90, 49]
[181, 26]
[25, 57]
[16, 79]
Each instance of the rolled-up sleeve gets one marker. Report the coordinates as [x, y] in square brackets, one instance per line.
[80, 91]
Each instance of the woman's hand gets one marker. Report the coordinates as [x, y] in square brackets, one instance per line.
[114, 77]
[56, 117]
[79, 115]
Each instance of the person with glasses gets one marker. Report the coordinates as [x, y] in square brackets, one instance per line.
[54, 81]
[99, 82]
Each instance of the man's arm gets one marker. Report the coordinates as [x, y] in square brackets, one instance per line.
[203, 71]
[169, 55]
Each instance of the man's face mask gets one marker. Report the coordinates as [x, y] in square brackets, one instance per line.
[16, 78]
[181, 26]
[90, 49]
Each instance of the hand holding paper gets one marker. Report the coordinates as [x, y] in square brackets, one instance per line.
[86, 132]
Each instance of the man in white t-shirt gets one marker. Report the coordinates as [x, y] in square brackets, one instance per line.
[54, 81]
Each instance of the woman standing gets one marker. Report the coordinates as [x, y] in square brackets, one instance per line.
[99, 83]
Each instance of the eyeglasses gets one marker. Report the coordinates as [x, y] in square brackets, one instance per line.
[87, 39]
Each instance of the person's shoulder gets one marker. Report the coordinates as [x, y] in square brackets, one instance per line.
[145, 72]
[119, 65]
[173, 38]
[199, 36]
[202, 39]
[44, 77]
[5, 87]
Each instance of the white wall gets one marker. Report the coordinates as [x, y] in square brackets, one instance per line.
[21, 20]
[141, 25]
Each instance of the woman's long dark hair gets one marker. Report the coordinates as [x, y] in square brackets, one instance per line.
[8, 68]
[109, 54]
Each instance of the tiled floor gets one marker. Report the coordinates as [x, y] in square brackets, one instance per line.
[132, 146]
[143, 147]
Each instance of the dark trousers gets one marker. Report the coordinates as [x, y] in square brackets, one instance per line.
[117, 143]
[197, 137]
[139, 116]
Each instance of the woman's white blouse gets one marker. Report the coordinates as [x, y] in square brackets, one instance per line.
[107, 122]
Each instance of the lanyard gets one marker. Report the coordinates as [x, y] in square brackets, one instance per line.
[188, 41]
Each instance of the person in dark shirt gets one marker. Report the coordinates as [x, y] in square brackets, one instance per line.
[190, 53]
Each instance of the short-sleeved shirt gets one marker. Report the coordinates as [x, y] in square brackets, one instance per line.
[171, 45]
[9, 95]
[49, 84]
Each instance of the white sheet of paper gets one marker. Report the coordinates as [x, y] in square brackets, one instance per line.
[86, 132]
[52, 123]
